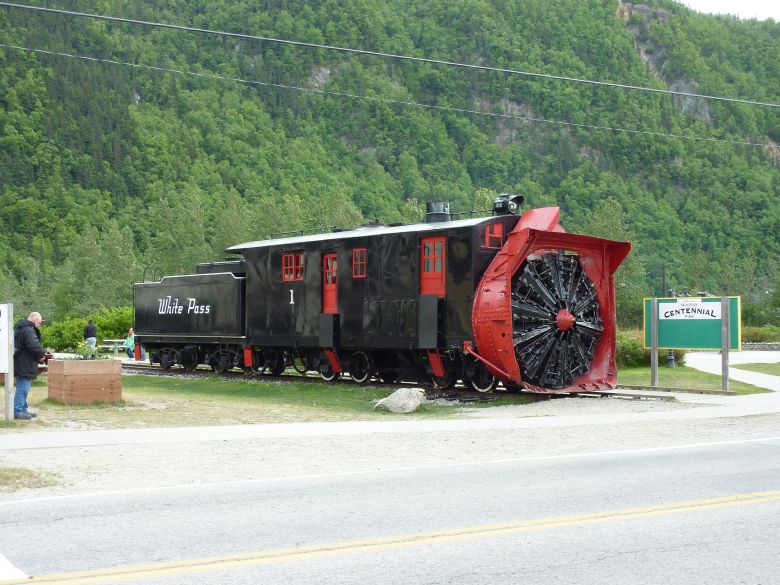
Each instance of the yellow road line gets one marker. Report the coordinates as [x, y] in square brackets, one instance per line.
[241, 560]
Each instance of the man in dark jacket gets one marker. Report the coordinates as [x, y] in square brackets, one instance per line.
[28, 353]
[90, 333]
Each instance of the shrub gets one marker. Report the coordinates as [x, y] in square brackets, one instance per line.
[66, 335]
[765, 334]
[113, 323]
[630, 351]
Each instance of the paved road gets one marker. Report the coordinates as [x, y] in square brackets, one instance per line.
[705, 514]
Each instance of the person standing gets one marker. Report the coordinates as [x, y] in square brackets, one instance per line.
[90, 334]
[28, 353]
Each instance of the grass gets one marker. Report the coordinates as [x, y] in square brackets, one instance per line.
[157, 401]
[16, 478]
[771, 369]
[683, 377]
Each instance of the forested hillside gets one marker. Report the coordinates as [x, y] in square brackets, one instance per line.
[111, 170]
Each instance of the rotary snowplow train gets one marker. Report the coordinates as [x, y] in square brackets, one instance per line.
[506, 298]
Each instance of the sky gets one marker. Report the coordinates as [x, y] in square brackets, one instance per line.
[760, 9]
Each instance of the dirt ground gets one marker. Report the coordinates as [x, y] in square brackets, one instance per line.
[112, 467]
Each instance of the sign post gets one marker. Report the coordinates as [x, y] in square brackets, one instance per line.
[692, 323]
[6, 357]
[654, 343]
[724, 343]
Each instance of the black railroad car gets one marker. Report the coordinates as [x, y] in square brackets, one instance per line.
[503, 298]
[377, 299]
[194, 318]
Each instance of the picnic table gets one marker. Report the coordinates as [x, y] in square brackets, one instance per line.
[114, 344]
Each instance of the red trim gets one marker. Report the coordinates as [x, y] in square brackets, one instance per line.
[292, 267]
[491, 316]
[437, 366]
[335, 363]
[433, 253]
[493, 235]
[359, 262]
[495, 370]
[247, 357]
[330, 275]
[137, 352]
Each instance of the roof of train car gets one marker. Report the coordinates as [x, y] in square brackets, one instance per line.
[362, 232]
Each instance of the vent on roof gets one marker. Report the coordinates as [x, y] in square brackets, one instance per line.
[436, 211]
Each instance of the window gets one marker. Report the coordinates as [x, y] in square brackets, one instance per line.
[432, 281]
[330, 289]
[359, 260]
[292, 266]
[330, 268]
[433, 253]
[493, 235]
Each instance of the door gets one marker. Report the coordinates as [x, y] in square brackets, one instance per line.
[329, 283]
[432, 254]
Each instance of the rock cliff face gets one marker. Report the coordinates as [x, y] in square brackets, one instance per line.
[626, 10]
[638, 18]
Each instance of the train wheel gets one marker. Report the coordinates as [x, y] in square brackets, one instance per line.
[482, 380]
[168, 357]
[453, 370]
[360, 367]
[259, 363]
[443, 382]
[275, 361]
[223, 360]
[299, 363]
[330, 376]
[189, 360]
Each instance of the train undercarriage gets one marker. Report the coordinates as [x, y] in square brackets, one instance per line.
[362, 366]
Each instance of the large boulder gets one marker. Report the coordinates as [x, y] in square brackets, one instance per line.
[402, 400]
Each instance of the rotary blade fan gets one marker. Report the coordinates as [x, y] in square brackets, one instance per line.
[555, 319]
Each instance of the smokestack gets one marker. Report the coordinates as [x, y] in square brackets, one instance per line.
[436, 211]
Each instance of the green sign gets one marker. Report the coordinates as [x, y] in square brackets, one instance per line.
[693, 323]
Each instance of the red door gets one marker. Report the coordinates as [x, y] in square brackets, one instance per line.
[432, 254]
[329, 283]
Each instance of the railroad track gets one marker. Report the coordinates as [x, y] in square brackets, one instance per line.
[460, 394]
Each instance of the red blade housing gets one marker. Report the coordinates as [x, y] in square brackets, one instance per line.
[536, 233]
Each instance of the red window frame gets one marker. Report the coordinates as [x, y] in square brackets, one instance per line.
[493, 235]
[359, 262]
[432, 265]
[330, 277]
[292, 266]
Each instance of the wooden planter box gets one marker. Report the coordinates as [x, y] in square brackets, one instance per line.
[85, 381]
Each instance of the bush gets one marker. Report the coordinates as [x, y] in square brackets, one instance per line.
[630, 351]
[66, 335]
[113, 323]
[765, 334]
[63, 335]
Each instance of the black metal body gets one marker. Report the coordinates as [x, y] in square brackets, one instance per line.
[381, 322]
[190, 308]
[385, 309]
[237, 267]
